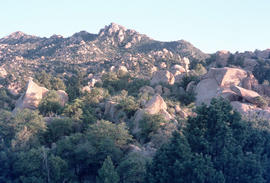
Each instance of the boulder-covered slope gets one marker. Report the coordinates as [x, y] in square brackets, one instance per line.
[113, 43]
[113, 47]
[232, 84]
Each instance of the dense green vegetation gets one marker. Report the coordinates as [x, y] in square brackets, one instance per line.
[50, 82]
[116, 82]
[262, 71]
[6, 99]
[50, 104]
[78, 143]
[215, 146]
[236, 61]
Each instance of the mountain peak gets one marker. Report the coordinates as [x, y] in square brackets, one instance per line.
[115, 27]
[16, 35]
[111, 29]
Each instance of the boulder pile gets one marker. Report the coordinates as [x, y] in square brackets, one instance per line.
[236, 86]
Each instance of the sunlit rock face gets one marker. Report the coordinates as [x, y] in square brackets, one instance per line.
[34, 94]
[217, 82]
[154, 106]
[162, 76]
[237, 86]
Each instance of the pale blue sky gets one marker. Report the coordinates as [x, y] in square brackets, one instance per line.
[210, 25]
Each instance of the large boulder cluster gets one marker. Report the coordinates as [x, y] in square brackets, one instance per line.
[162, 76]
[237, 86]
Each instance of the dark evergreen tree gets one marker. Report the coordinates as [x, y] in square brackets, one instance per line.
[50, 104]
[215, 146]
[107, 173]
[132, 168]
[74, 84]
[175, 163]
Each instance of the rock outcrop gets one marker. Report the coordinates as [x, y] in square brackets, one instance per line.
[177, 71]
[217, 83]
[34, 94]
[147, 89]
[3, 72]
[122, 69]
[247, 95]
[226, 76]
[119, 35]
[31, 98]
[112, 47]
[229, 83]
[154, 106]
[250, 82]
[162, 76]
[180, 111]
[186, 63]
[206, 90]
[113, 112]
[250, 111]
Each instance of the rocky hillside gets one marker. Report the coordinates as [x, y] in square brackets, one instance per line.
[111, 43]
[116, 49]
[114, 45]
[101, 106]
